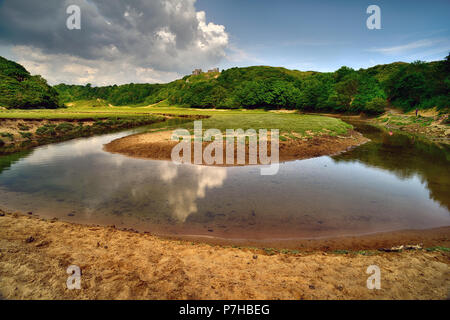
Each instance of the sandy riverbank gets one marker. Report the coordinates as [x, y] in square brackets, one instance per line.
[115, 264]
[429, 124]
[158, 146]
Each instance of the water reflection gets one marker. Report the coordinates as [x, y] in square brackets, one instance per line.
[189, 188]
[8, 160]
[383, 185]
[405, 156]
[80, 173]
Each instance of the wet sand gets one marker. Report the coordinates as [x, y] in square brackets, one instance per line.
[116, 264]
[436, 237]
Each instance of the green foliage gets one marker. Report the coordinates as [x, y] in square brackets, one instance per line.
[267, 94]
[23, 127]
[438, 248]
[46, 130]
[13, 70]
[8, 135]
[376, 106]
[341, 251]
[316, 92]
[421, 85]
[26, 135]
[382, 72]
[18, 89]
[64, 127]
[116, 95]
[270, 251]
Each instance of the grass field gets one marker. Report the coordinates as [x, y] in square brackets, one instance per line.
[287, 123]
[84, 109]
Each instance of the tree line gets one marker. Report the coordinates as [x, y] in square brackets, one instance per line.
[403, 85]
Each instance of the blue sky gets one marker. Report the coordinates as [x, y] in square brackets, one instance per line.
[324, 35]
[148, 41]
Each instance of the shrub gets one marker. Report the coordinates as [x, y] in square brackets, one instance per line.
[26, 135]
[376, 106]
[46, 130]
[99, 123]
[7, 135]
[228, 103]
[23, 127]
[64, 127]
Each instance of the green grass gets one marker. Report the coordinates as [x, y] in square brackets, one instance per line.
[70, 114]
[270, 251]
[244, 119]
[438, 248]
[85, 109]
[341, 252]
[287, 123]
[404, 120]
[360, 252]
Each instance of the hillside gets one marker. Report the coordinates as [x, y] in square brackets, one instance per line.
[19, 89]
[403, 85]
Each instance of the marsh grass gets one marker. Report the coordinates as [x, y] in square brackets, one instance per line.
[303, 125]
[244, 119]
[112, 118]
[8, 135]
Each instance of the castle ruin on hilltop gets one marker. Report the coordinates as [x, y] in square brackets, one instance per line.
[197, 72]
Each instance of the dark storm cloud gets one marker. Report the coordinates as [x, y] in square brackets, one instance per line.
[162, 35]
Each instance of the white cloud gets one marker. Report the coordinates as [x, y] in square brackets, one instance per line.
[63, 68]
[212, 35]
[395, 50]
[166, 36]
[183, 199]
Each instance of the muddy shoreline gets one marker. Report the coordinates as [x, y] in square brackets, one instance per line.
[375, 241]
[158, 146]
[116, 264]
[378, 241]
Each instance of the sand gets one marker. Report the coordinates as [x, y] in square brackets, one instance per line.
[118, 264]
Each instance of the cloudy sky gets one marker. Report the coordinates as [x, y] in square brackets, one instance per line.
[122, 41]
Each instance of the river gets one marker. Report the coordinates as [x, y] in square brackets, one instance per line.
[394, 182]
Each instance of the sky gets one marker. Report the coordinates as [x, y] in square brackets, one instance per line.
[123, 41]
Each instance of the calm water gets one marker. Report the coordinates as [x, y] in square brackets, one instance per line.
[391, 183]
